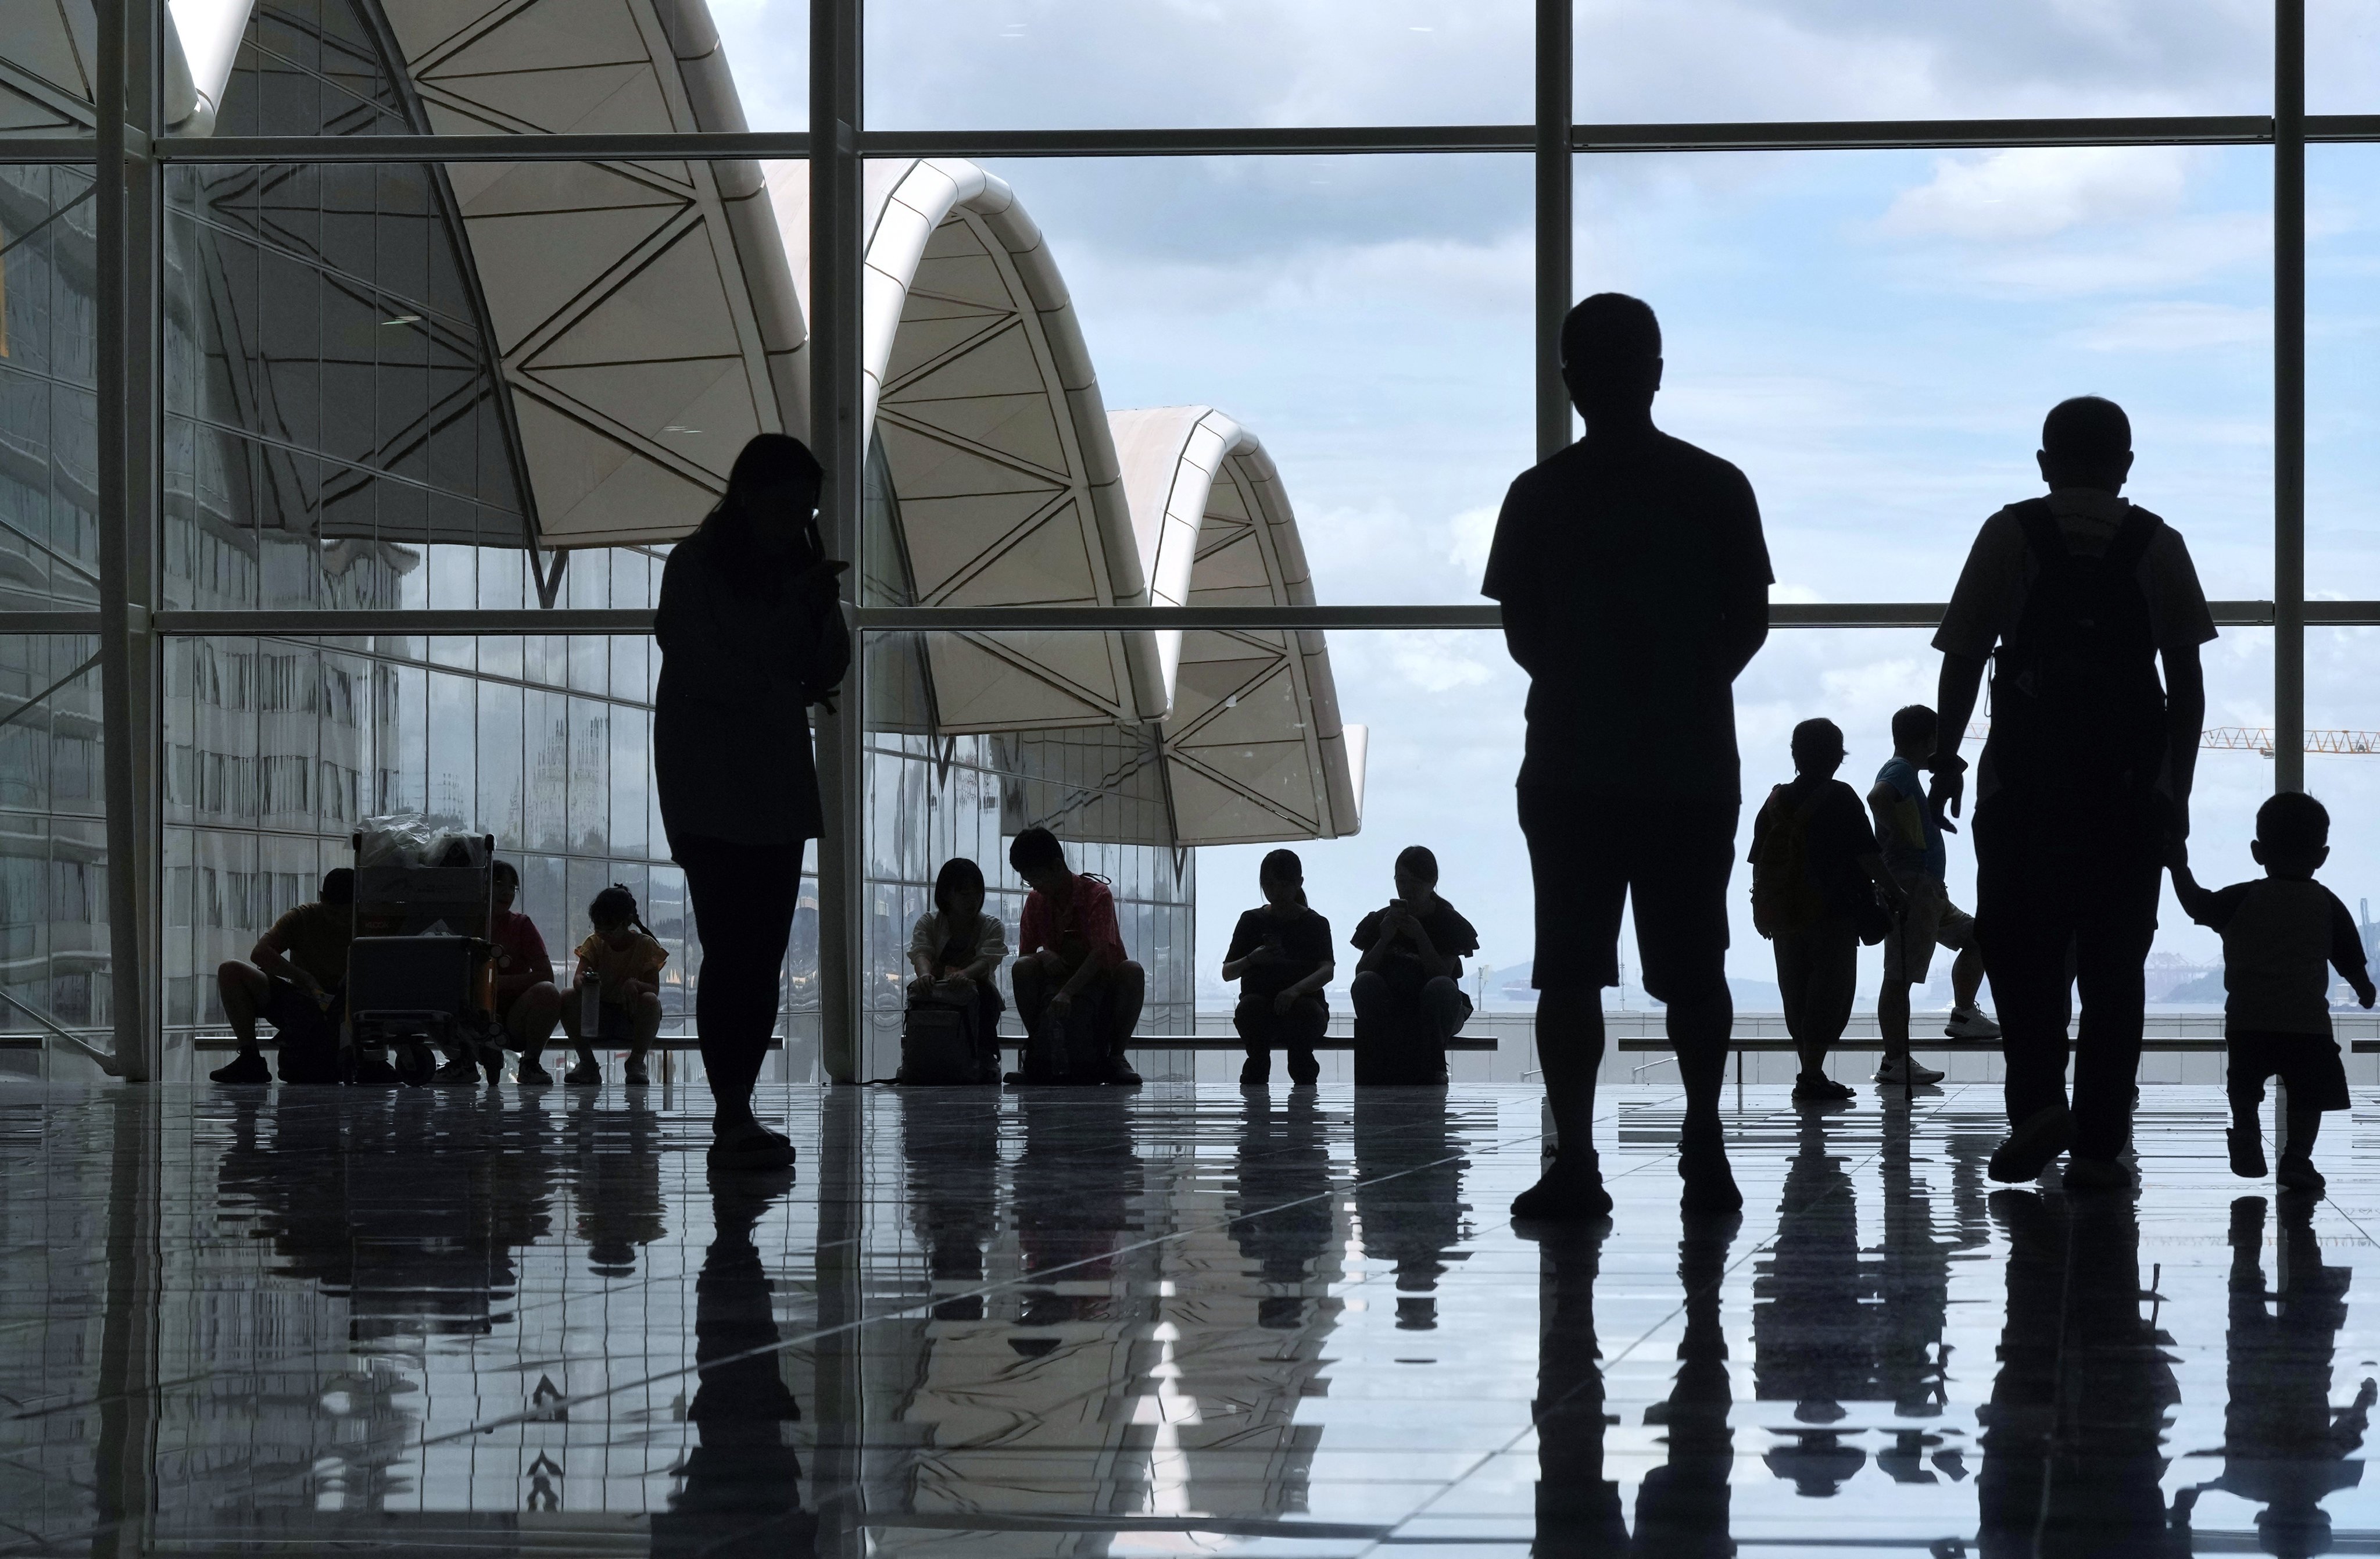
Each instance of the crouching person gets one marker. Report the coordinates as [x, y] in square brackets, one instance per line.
[528, 1003]
[954, 950]
[1071, 970]
[1281, 956]
[1408, 991]
[295, 980]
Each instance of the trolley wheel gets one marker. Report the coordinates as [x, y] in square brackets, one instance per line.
[414, 1061]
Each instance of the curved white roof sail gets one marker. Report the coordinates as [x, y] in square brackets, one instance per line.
[1254, 747]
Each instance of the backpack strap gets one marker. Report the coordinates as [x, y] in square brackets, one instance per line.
[2042, 536]
[2132, 541]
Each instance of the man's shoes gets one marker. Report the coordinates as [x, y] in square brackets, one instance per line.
[748, 1149]
[1709, 1183]
[585, 1075]
[2247, 1145]
[1969, 1023]
[2300, 1176]
[1902, 1071]
[2096, 1175]
[634, 1073]
[1564, 1196]
[1255, 1072]
[531, 1072]
[1817, 1088]
[464, 1074]
[2037, 1140]
[1119, 1072]
[246, 1067]
[1303, 1070]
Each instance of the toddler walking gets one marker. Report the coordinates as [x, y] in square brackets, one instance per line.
[2281, 937]
[617, 994]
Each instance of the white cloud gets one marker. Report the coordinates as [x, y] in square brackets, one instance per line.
[1438, 663]
[2175, 326]
[2027, 193]
[1473, 533]
[1794, 595]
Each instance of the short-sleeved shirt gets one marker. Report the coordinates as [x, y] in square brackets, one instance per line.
[1617, 563]
[1909, 837]
[1086, 927]
[2281, 937]
[315, 937]
[1447, 929]
[639, 958]
[1303, 938]
[1989, 601]
[1839, 835]
[520, 950]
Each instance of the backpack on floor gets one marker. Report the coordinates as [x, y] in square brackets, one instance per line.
[940, 1044]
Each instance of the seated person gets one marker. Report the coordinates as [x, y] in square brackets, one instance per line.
[616, 992]
[1071, 955]
[296, 979]
[955, 948]
[1408, 993]
[527, 1004]
[1281, 956]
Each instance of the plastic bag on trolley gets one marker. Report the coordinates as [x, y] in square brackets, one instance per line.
[418, 968]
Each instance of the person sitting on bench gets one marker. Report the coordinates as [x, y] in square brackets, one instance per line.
[1281, 956]
[1408, 993]
[528, 1003]
[620, 964]
[1071, 953]
[955, 948]
[295, 980]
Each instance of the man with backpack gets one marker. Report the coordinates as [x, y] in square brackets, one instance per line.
[1817, 875]
[2075, 599]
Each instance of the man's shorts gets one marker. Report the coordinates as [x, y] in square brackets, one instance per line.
[1930, 920]
[1591, 852]
[296, 1018]
[2307, 1065]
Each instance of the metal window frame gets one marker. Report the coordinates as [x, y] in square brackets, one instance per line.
[127, 155]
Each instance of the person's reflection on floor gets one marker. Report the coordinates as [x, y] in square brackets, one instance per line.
[2285, 1448]
[1681, 1508]
[741, 1493]
[1409, 1167]
[616, 1177]
[2072, 1437]
[1578, 1507]
[1914, 1282]
[1810, 1332]
[1076, 1183]
[950, 1141]
[1281, 1211]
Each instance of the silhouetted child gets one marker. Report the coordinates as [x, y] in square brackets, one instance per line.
[616, 995]
[2281, 937]
[1814, 858]
[1908, 835]
[1281, 956]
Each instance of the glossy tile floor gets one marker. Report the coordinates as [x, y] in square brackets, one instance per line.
[1176, 1321]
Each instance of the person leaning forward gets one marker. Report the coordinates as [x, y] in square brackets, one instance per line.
[2084, 780]
[1634, 581]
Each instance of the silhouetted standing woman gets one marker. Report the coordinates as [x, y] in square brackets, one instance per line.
[751, 635]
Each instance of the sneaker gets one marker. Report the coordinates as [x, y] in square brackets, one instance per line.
[1303, 1070]
[1969, 1023]
[585, 1075]
[1902, 1071]
[2302, 1177]
[247, 1068]
[1120, 1074]
[2096, 1175]
[1563, 1197]
[531, 1072]
[1819, 1088]
[457, 1073]
[634, 1073]
[1709, 1183]
[2036, 1140]
[751, 1148]
[2247, 1145]
[1255, 1072]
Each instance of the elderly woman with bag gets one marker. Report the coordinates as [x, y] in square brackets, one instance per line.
[751, 635]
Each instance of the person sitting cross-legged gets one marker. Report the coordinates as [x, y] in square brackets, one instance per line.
[1071, 960]
[1408, 992]
[296, 979]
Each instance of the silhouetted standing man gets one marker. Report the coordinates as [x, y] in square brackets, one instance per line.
[2075, 599]
[1635, 582]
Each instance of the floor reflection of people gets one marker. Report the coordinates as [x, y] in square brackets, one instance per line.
[1281, 1214]
[1409, 1167]
[1578, 1507]
[617, 1178]
[2072, 1437]
[950, 1142]
[1075, 1184]
[1912, 1281]
[2285, 1448]
[1810, 1328]
[741, 1493]
[1681, 1508]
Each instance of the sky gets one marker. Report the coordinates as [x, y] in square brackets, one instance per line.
[1871, 336]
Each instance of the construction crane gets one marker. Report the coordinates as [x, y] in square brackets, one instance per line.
[2259, 739]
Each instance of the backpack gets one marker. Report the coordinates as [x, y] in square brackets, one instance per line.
[2076, 702]
[940, 1044]
[1784, 898]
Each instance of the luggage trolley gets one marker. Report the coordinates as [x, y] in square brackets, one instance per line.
[420, 971]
